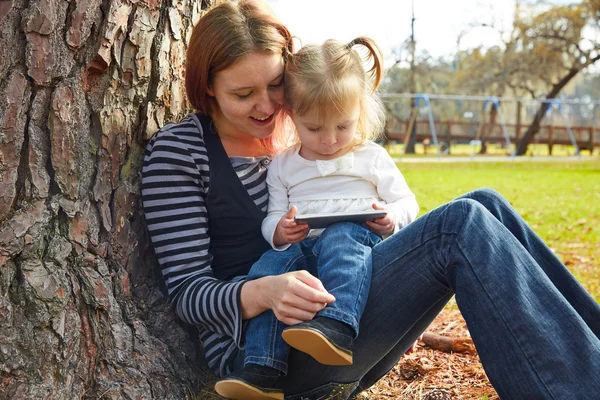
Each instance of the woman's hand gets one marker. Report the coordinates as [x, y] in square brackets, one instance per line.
[288, 231]
[294, 297]
[383, 226]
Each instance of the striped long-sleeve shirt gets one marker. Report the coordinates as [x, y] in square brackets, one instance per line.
[175, 181]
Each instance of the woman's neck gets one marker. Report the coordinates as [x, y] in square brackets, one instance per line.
[243, 147]
[238, 143]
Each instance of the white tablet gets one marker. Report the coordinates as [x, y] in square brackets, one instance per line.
[317, 221]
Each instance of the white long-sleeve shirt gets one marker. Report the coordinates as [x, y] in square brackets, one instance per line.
[352, 182]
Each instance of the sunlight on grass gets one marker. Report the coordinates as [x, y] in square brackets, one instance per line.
[533, 150]
[559, 200]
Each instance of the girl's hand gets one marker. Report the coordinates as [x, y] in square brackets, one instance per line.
[294, 297]
[288, 231]
[383, 226]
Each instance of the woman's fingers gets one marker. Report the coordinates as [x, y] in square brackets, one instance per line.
[288, 313]
[314, 290]
[300, 297]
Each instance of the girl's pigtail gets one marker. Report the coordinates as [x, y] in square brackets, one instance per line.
[376, 71]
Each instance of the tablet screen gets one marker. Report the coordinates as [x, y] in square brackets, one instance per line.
[318, 221]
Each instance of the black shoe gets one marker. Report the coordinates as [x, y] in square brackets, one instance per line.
[254, 382]
[328, 341]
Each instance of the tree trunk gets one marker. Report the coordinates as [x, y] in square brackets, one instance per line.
[488, 129]
[83, 314]
[409, 146]
[534, 128]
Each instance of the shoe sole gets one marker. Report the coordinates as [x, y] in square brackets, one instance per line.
[242, 391]
[317, 346]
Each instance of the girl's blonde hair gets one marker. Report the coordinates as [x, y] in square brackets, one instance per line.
[223, 35]
[331, 75]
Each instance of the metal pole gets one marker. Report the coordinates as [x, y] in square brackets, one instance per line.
[409, 146]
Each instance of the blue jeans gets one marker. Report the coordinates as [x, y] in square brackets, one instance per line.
[537, 331]
[341, 258]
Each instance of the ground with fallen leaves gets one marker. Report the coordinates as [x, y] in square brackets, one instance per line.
[428, 374]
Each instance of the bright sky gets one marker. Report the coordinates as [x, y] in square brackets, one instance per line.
[438, 23]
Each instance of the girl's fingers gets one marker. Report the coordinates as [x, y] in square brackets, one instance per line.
[296, 228]
[298, 237]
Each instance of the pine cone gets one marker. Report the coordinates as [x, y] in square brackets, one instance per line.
[437, 394]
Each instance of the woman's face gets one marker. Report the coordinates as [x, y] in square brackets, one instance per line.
[250, 95]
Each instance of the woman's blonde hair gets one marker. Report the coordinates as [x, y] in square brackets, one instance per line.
[332, 75]
[222, 36]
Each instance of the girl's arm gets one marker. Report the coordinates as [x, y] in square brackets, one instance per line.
[392, 187]
[174, 176]
[278, 203]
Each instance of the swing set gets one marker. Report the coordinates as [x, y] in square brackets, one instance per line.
[556, 104]
[421, 104]
[483, 122]
[413, 117]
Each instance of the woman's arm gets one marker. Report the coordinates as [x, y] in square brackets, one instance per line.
[294, 297]
[174, 178]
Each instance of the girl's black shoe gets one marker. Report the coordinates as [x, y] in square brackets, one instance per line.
[328, 341]
[254, 382]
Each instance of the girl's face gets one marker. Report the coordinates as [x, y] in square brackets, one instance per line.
[327, 134]
[250, 96]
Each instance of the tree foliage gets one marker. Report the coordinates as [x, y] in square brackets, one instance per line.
[547, 46]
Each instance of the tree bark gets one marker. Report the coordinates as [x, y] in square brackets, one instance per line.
[488, 129]
[448, 344]
[534, 128]
[83, 314]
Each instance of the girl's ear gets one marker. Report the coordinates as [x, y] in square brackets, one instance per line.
[210, 91]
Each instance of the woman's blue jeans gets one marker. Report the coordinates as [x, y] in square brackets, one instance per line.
[341, 258]
[535, 328]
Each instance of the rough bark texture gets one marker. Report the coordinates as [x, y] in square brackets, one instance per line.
[535, 125]
[448, 344]
[534, 128]
[83, 84]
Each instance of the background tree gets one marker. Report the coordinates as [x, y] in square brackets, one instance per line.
[547, 47]
[539, 56]
[84, 83]
[556, 44]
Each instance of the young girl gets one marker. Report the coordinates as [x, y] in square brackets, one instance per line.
[333, 167]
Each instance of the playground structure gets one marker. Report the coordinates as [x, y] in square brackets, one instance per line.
[442, 121]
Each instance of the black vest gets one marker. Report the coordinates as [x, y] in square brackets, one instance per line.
[234, 220]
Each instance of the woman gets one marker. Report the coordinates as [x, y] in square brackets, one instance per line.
[204, 195]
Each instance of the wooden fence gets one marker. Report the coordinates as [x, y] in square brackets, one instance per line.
[451, 132]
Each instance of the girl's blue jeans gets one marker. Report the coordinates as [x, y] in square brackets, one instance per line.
[537, 331]
[341, 258]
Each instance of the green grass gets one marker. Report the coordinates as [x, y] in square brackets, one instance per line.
[535, 150]
[560, 200]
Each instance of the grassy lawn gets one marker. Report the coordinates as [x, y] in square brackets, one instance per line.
[534, 150]
[560, 200]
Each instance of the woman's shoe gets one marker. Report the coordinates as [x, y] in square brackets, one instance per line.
[254, 382]
[328, 341]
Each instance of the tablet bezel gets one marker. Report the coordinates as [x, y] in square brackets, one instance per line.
[323, 220]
